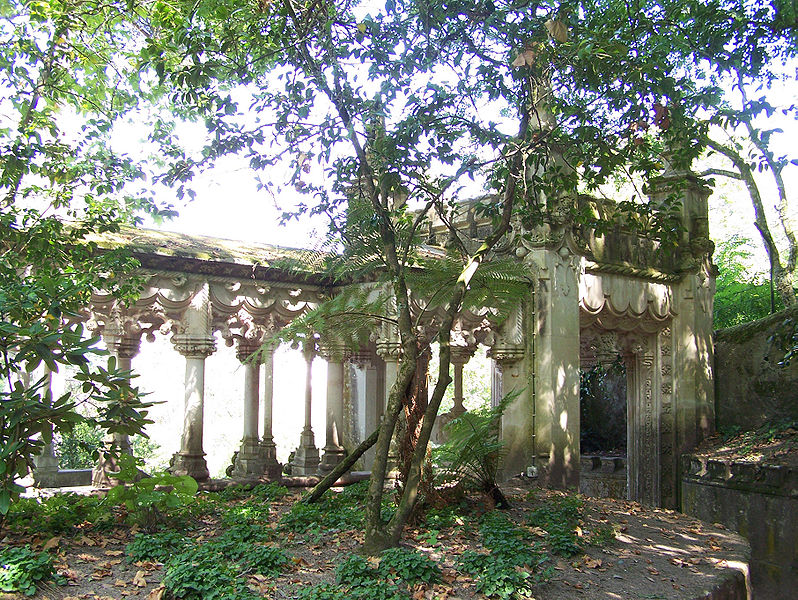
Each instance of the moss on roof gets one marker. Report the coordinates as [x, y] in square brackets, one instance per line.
[180, 245]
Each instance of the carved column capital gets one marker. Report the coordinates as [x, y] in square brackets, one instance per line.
[389, 350]
[361, 358]
[506, 354]
[246, 348]
[334, 351]
[192, 346]
[124, 346]
[460, 355]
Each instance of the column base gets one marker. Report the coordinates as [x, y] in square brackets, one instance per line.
[332, 456]
[306, 458]
[45, 477]
[45, 474]
[249, 462]
[272, 469]
[189, 464]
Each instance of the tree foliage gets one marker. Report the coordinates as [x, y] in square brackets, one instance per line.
[63, 84]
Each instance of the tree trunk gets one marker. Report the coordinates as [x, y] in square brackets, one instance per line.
[341, 468]
[781, 277]
[783, 206]
[414, 407]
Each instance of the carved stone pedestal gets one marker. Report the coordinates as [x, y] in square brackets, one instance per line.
[190, 464]
[332, 456]
[249, 462]
[306, 457]
[272, 469]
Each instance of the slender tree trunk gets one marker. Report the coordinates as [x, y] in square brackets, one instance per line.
[782, 278]
[341, 468]
[783, 206]
[414, 407]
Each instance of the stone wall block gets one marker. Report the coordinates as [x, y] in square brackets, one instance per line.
[718, 470]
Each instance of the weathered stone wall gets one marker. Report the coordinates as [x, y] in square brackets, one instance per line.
[750, 386]
[603, 476]
[759, 502]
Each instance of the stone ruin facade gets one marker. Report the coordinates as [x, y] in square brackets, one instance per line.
[590, 300]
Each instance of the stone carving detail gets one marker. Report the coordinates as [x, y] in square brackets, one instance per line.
[508, 344]
[194, 346]
[667, 440]
[617, 302]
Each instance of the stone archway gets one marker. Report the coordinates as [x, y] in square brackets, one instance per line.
[647, 356]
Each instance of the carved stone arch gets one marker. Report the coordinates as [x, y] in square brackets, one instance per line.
[641, 351]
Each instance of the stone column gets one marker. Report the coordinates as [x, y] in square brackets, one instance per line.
[268, 450]
[333, 450]
[460, 356]
[369, 396]
[249, 461]
[190, 460]
[306, 457]
[124, 348]
[46, 472]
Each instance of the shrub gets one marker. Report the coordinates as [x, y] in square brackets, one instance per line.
[21, 569]
[473, 449]
[236, 540]
[263, 491]
[245, 513]
[60, 514]
[560, 521]
[156, 547]
[265, 560]
[152, 501]
[202, 574]
[498, 578]
[328, 513]
[408, 566]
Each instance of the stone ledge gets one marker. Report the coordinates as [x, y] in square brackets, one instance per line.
[774, 480]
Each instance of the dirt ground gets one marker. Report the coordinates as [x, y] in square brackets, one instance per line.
[769, 445]
[657, 554]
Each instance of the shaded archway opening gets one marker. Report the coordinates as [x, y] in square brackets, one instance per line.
[603, 409]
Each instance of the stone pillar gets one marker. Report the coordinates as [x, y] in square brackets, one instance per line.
[306, 457]
[249, 461]
[556, 366]
[124, 348]
[46, 472]
[690, 360]
[268, 450]
[517, 423]
[460, 355]
[369, 391]
[190, 460]
[333, 450]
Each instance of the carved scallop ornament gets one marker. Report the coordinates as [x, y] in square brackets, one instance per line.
[617, 302]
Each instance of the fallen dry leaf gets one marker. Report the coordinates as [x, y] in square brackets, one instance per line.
[138, 579]
[157, 593]
[52, 543]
